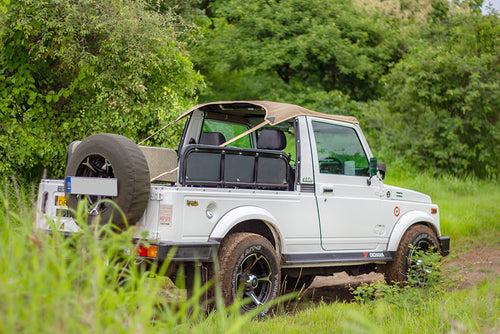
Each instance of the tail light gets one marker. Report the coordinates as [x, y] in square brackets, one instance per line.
[147, 251]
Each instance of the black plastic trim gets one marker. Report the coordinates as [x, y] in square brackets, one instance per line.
[444, 243]
[338, 257]
[187, 252]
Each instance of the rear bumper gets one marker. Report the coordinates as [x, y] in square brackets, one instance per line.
[181, 251]
[187, 252]
[444, 245]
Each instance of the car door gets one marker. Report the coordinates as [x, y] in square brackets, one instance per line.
[350, 210]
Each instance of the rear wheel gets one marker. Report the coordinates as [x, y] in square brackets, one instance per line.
[249, 269]
[417, 237]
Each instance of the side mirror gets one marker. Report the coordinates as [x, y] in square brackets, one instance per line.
[381, 169]
[372, 170]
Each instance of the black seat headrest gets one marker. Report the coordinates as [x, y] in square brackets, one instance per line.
[212, 138]
[271, 139]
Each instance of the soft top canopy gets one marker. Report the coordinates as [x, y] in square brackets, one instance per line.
[273, 112]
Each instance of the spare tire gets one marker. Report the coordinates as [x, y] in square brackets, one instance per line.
[112, 156]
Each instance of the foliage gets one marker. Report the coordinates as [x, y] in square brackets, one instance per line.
[473, 310]
[70, 69]
[90, 282]
[444, 97]
[425, 273]
[292, 46]
[421, 76]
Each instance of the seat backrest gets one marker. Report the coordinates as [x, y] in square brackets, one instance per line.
[233, 167]
[271, 139]
[212, 138]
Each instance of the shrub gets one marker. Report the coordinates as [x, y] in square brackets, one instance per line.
[70, 69]
[443, 98]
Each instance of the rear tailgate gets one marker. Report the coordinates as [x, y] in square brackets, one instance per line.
[51, 207]
[52, 211]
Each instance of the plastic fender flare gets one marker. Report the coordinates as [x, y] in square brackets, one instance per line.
[244, 213]
[407, 220]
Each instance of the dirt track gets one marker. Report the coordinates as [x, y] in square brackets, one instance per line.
[465, 269]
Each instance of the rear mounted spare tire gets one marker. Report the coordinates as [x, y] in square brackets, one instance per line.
[112, 156]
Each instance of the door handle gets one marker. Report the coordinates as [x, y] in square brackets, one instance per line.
[327, 190]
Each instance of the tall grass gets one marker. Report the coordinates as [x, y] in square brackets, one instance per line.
[88, 283]
[465, 311]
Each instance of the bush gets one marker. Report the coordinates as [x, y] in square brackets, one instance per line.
[290, 47]
[70, 69]
[443, 98]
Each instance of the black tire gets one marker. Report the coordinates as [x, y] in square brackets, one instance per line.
[237, 274]
[123, 160]
[396, 272]
[301, 283]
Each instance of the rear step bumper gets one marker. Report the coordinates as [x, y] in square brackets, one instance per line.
[444, 245]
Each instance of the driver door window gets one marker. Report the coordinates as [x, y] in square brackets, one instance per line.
[339, 150]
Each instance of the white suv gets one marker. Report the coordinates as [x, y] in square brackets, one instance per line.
[273, 192]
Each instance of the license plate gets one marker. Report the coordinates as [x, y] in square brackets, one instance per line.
[60, 200]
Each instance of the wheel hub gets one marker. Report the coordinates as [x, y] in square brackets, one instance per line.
[252, 282]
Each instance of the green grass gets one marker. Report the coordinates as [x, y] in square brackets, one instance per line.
[49, 284]
[465, 311]
[86, 283]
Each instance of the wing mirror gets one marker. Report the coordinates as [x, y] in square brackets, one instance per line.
[372, 169]
[381, 169]
[376, 167]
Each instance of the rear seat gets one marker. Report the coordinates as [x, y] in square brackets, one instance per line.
[212, 138]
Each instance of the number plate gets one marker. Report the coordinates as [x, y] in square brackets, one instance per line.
[60, 200]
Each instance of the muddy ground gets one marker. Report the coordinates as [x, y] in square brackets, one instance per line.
[466, 268]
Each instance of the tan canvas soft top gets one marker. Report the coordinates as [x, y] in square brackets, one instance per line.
[273, 112]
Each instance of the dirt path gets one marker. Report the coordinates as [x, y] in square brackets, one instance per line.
[465, 269]
[471, 267]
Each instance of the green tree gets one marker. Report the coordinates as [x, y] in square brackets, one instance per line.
[422, 76]
[444, 97]
[72, 68]
[277, 49]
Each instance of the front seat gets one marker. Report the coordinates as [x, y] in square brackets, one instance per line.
[274, 139]
[271, 139]
[212, 138]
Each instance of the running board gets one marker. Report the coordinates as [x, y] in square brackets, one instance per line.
[334, 259]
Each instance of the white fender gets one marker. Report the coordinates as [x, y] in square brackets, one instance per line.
[407, 220]
[244, 213]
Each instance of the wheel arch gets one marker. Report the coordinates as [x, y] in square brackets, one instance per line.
[408, 220]
[248, 219]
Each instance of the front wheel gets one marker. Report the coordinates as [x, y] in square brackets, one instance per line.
[249, 269]
[417, 237]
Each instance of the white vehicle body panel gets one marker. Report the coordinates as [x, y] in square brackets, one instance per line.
[408, 219]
